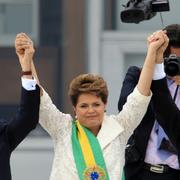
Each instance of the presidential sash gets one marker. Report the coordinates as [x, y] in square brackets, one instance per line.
[123, 177]
[87, 153]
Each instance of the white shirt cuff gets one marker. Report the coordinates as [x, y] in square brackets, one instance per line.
[159, 72]
[28, 84]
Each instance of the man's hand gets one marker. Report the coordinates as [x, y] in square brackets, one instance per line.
[176, 79]
[24, 50]
[156, 40]
[161, 50]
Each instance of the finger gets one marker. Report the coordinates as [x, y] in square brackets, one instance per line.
[176, 79]
[23, 42]
[19, 35]
[23, 36]
[19, 50]
[24, 47]
[152, 38]
[165, 31]
[27, 37]
[155, 36]
[160, 36]
[166, 41]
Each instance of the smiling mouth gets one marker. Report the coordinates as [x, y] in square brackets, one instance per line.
[91, 117]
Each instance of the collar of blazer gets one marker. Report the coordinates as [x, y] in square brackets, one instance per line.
[110, 129]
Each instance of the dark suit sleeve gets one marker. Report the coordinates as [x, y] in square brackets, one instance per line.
[167, 113]
[26, 118]
[129, 83]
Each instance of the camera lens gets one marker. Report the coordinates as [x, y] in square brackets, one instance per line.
[172, 68]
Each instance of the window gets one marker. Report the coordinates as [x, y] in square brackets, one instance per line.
[18, 16]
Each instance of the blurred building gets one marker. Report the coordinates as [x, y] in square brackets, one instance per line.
[71, 37]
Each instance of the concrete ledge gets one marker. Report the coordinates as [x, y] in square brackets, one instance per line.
[36, 144]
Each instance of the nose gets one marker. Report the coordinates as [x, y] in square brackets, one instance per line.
[91, 109]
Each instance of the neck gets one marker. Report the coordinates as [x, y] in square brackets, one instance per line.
[95, 130]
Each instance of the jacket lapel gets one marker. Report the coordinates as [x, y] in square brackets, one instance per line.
[110, 129]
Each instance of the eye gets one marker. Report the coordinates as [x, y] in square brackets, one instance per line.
[83, 106]
[96, 104]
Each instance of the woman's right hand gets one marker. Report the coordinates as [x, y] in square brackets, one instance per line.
[24, 50]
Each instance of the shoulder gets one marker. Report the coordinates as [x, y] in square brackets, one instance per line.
[134, 70]
[133, 73]
[3, 124]
[112, 122]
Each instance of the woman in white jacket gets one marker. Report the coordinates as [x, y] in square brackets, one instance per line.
[90, 146]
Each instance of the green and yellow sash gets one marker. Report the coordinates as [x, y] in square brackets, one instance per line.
[123, 177]
[88, 155]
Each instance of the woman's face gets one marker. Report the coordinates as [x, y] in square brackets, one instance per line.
[90, 111]
[176, 50]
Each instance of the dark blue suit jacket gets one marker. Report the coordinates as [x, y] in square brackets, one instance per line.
[13, 131]
[161, 108]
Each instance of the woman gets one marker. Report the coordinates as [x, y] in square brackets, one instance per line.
[91, 145]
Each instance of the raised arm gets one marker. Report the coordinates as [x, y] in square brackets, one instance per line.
[27, 116]
[155, 42]
[50, 118]
[133, 73]
[137, 102]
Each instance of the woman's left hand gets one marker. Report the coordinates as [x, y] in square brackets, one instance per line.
[161, 50]
[156, 40]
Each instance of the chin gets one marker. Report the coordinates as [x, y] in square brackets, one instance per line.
[93, 124]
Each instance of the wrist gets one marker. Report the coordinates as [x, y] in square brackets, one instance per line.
[159, 61]
[25, 65]
[27, 74]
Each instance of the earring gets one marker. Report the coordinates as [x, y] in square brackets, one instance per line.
[76, 117]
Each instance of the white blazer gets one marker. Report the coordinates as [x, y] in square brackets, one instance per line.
[112, 136]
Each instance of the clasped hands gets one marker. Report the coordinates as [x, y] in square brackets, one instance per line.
[158, 42]
[24, 50]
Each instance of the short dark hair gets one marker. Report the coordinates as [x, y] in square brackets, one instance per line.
[88, 83]
[173, 33]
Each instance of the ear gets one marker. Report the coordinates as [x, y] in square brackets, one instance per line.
[74, 109]
[105, 105]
